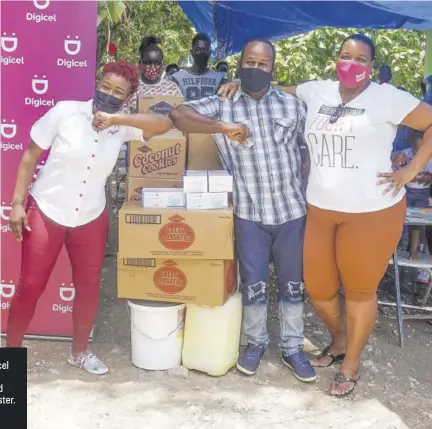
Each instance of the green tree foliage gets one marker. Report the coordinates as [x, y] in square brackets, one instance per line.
[313, 55]
[110, 15]
[163, 19]
[304, 57]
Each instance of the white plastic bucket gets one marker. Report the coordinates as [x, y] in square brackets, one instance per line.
[156, 334]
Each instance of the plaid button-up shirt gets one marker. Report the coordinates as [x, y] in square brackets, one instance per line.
[267, 171]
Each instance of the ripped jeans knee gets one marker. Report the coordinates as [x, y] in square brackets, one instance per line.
[256, 293]
[291, 291]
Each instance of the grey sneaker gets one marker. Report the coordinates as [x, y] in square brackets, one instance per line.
[89, 362]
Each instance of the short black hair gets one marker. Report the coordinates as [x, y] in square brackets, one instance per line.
[172, 66]
[201, 36]
[413, 136]
[267, 42]
[150, 43]
[361, 38]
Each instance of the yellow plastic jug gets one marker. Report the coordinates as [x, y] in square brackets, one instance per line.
[212, 336]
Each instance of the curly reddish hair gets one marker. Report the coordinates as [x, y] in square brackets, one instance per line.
[125, 70]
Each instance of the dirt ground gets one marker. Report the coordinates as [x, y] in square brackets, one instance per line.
[396, 384]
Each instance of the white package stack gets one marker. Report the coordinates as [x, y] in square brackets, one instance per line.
[195, 181]
[207, 201]
[220, 181]
[162, 198]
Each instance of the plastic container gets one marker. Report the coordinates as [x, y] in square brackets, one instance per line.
[212, 337]
[156, 334]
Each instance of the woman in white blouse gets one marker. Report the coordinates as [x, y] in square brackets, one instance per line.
[356, 204]
[66, 203]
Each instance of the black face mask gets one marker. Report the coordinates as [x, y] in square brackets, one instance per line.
[254, 79]
[107, 103]
[201, 59]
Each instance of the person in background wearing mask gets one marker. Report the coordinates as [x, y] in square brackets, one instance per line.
[199, 81]
[66, 204]
[269, 203]
[384, 74]
[171, 69]
[222, 67]
[153, 79]
[356, 202]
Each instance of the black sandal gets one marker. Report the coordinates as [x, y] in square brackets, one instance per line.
[334, 359]
[340, 378]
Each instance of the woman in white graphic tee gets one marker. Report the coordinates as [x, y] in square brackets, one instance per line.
[356, 204]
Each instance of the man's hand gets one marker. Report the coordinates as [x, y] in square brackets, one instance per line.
[18, 219]
[398, 160]
[229, 89]
[424, 178]
[236, 132]
[102, 121]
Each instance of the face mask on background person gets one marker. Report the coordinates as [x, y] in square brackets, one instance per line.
[352, 74]
[107, 103]
[254, 79]
[151, 72]
[201, 59]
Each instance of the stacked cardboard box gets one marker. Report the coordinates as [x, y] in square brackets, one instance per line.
[166, 252]
[160, 163]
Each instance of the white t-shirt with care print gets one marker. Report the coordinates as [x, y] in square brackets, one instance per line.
[346, 156]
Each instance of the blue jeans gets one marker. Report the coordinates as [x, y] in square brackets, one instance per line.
[255, 244]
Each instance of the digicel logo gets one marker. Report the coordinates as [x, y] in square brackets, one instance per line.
[8, 130]
[41, 4]
[149, 161]
[170, 279]
[67, 294]
[40, 86]
[176, 235]
[72, 47]
[7, 290]
[9, 43]
[5, 212]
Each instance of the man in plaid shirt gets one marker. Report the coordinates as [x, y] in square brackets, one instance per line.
[259, 136]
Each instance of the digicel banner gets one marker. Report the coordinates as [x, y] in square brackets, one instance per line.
[47, 54]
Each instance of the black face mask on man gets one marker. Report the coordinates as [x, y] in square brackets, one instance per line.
[107, 103]
[201, 59]
[254, 79]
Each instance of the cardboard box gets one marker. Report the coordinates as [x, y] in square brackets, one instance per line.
[220, 181]
[162, 104]
[176, 233]
[195, 181]
[180, 280]
[163, 157]
[135, 186]
[162, 198]
[207, 201]
[202, 153]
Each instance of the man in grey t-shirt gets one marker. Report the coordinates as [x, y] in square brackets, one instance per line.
[198, 81]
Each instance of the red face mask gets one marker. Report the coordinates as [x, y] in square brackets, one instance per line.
[151, 72]
[352, 74]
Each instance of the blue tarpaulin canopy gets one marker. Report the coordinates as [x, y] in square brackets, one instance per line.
[234, 23]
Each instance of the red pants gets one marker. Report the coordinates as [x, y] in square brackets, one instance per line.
[40, 248]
